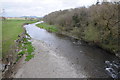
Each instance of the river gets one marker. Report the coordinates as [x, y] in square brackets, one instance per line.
[83, 58]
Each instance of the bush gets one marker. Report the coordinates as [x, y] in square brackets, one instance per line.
[97, 23]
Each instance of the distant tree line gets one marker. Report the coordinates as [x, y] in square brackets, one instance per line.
[97, 23]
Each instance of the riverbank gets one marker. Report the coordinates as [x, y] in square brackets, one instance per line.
[15, 45]
[76, 54]
[92, 24]
[47, 64]
[92, 43]
[57, 30]
[11, 29]
[50, 28]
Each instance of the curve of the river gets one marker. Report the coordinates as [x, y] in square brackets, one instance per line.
[82, 57]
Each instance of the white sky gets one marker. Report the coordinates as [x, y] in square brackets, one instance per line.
[16, 8]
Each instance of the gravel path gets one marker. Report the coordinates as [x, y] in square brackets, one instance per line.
[47, 64]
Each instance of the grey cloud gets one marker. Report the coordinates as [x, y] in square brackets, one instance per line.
[40, 7]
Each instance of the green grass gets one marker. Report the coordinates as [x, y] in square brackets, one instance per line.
[50, 28]
[10, 31]
[29, 47]
[31, 22]
[0, 39]
[26, 48]
[21, 53]
[29, 57]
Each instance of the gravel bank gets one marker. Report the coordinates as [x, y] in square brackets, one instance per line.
[47, 64]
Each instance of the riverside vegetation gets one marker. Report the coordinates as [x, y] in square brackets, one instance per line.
[14, 41]
[50, 28]
[97, 24]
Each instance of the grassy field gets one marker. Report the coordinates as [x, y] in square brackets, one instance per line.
[10, 31]
[48, 27]
[0, 39]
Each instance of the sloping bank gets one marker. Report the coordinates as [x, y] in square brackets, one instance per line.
[15, 44]
[55, 29]
[97, 24]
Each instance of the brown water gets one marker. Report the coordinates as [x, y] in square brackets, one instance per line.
[84, 58]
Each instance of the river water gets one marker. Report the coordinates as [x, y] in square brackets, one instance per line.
[82, 57]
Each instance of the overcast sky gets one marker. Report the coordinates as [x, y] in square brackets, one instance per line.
[16, 8]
